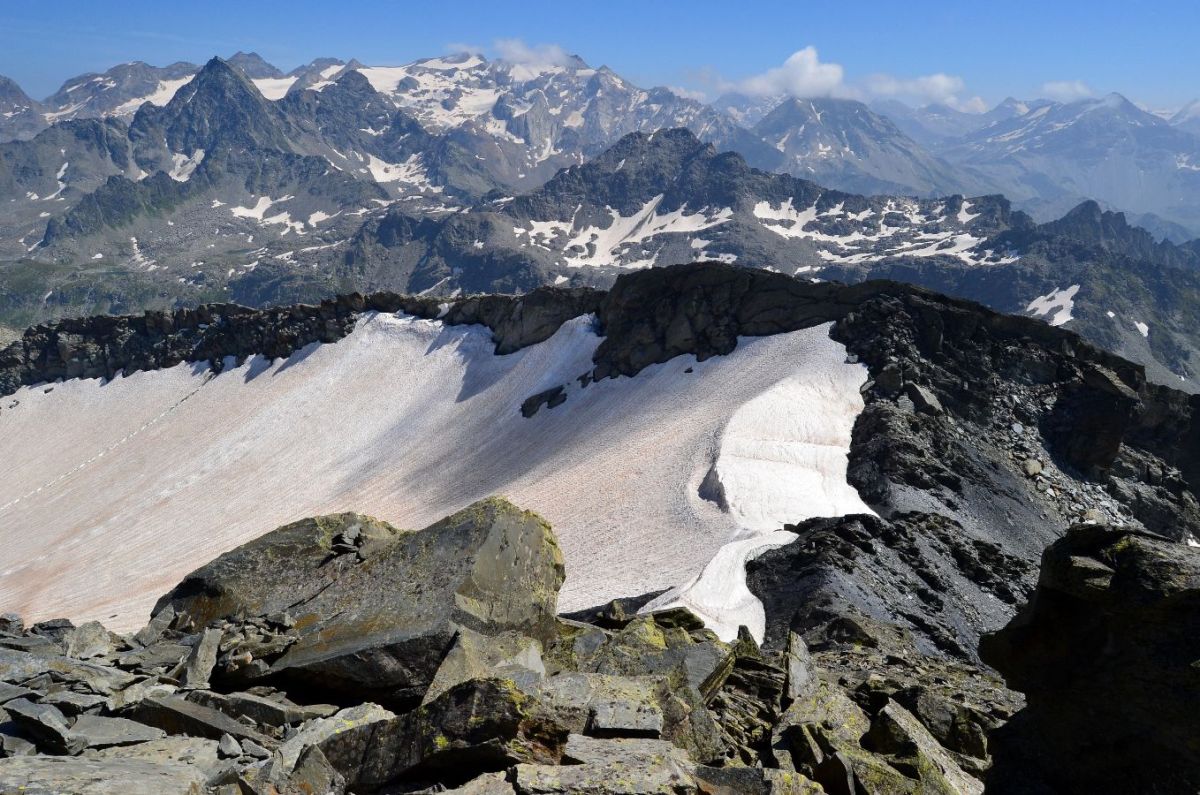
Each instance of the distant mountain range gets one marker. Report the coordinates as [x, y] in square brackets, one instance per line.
[155, 187]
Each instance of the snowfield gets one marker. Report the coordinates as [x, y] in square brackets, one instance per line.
[116, 490]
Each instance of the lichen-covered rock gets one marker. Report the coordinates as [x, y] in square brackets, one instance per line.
[376, 610]
[1106, 655]
[612, 767]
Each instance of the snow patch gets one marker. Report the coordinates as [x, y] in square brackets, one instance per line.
[1058, 304]
[274, 87]
[141, 455]
[183, 166]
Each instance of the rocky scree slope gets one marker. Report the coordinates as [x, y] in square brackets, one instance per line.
[244, 683]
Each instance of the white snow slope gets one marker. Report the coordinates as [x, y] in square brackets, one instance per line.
[114, 491]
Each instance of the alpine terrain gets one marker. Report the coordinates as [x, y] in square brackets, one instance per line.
[498, 426]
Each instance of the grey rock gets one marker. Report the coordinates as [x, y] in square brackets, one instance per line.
[800, 674]
[46, 725]
[17, 666]
[612, 767]
[228, 746]
[176, 715]
[71, 703]
[255, 750]
[101, 732]
[42, 775]
[604, 704]
[14, 744]
[9, 692]
[487, 784]
[261, 710]
[321, 730]
[159, 623]
[203, 658]
[156, 655]
[147, 688]
[508, 655]
[197, 752]
[88, 640]
[376, 629]
[313, 773]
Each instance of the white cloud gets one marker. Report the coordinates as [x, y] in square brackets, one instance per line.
[456, 47]
[537, 56]
[801, 75]
[689, 93]
[1067, 90]
[942, 88]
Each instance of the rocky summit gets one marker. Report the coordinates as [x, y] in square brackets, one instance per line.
[1007, 606]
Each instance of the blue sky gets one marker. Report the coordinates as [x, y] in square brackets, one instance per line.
[919, 51]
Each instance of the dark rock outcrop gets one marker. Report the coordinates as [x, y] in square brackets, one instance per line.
[1106, 655]
[374, 609]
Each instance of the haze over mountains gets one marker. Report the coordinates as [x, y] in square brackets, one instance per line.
[149, 187]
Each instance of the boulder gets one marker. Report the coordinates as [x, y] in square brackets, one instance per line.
[88, 640]
[481, 726]
[377, 626]
[100, 732]
[202, 659]
[197, 752]
[18, 667]
[45, 725]
[612, 767]
[1105, 653]
[477, 656]
[49, 775]
[176, 715]
[259, 709]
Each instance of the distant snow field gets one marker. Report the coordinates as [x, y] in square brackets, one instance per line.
[116, 490]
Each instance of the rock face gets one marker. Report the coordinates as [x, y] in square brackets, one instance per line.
[375, 609]
[1106, 655]
[101, 347]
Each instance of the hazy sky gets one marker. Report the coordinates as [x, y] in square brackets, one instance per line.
[965, 53]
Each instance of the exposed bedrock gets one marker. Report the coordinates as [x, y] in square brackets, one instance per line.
[1106, 654]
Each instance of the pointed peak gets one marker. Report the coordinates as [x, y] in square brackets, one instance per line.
[253, 65]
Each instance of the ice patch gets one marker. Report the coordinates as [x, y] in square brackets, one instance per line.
[1058, 304]
[1142, 328]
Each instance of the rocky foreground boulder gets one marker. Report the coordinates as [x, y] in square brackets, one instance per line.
[339, 654]
[1108, 655]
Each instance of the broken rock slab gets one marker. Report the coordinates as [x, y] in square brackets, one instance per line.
[376, 626]
[58, 775]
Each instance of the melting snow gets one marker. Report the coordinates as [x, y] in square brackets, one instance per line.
[274, 87]
[410, 172]
[100, 468]
[161, 96]
[1142, 328]
[183, 166]
[1058, 304]
[594, 246]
